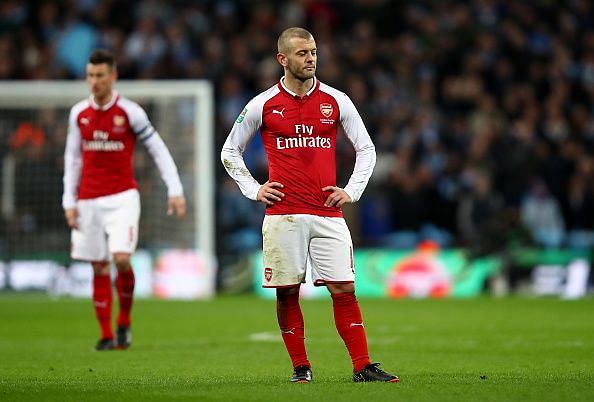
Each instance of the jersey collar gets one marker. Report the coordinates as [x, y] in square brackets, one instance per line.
[114, 98]
[293, 94]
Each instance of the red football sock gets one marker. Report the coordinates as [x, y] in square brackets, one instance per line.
[347, 317]
[290, 321]
[102, 297]
[125, 287]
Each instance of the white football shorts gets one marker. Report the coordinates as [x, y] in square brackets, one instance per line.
[106, 225]
[292, 242]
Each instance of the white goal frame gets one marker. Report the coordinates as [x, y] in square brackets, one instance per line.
[18, 94]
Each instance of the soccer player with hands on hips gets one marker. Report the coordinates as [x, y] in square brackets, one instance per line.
[298, 119]
[100, 200]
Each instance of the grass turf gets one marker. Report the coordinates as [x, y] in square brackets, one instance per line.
[229, 349]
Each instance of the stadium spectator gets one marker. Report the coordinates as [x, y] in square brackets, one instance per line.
[478, 207]
[580, 198]
[541, 213]
[100, 200]
[146, 46]
[298, 120]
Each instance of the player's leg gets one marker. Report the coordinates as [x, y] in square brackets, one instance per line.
[349, 322]
[121, 216]
[102, 301]
[285, 239]
[291, 323]
[331, 252]
[332, 266]
[89, 244]
[125, 288]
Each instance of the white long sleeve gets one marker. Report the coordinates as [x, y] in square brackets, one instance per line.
[140, 126]
[153, 142]
[164, 161]
[244, 129]
[365, 150]
[72, 161]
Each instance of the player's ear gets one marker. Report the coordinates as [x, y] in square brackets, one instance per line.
[282, 59]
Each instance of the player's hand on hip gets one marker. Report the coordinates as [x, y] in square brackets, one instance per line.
[71, 215]
[338, 198]
[177, 205]
[268, 193]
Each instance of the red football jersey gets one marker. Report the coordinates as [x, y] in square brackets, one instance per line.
[299, 136]
[102, 141]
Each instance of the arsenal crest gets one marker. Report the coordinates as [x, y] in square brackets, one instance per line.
[119, 121]
[326, 109]
[268, 274]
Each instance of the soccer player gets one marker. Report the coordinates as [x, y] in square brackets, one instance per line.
[298, 120]
[101, 201]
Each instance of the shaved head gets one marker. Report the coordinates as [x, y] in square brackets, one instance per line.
[284, 40]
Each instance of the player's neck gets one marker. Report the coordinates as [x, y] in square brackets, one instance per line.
[104, 100]
[297, 86]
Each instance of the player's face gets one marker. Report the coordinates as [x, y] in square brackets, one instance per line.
[302, 58]
[100, 78]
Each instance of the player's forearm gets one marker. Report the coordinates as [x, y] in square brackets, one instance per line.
[357, 134]
[71, 179]
[164, 161]
[69, 196]
[233, 161]
[364, 164]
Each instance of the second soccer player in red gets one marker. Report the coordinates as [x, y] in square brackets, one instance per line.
[101, 201]
[298, 120]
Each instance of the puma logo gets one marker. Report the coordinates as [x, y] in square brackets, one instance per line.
[354, 324]
[274, 111]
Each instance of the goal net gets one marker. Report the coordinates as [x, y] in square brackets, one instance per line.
[33, 126]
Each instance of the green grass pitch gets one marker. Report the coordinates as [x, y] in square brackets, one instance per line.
[229, 349]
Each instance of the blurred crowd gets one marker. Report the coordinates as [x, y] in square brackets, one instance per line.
[482, 111]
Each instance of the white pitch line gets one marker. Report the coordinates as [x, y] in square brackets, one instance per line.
[265, 337]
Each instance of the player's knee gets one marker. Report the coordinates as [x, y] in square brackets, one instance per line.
[100, 268]
[283, 293]
[122, 262]
[341, 287]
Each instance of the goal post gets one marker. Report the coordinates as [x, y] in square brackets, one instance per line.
[33, 122]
